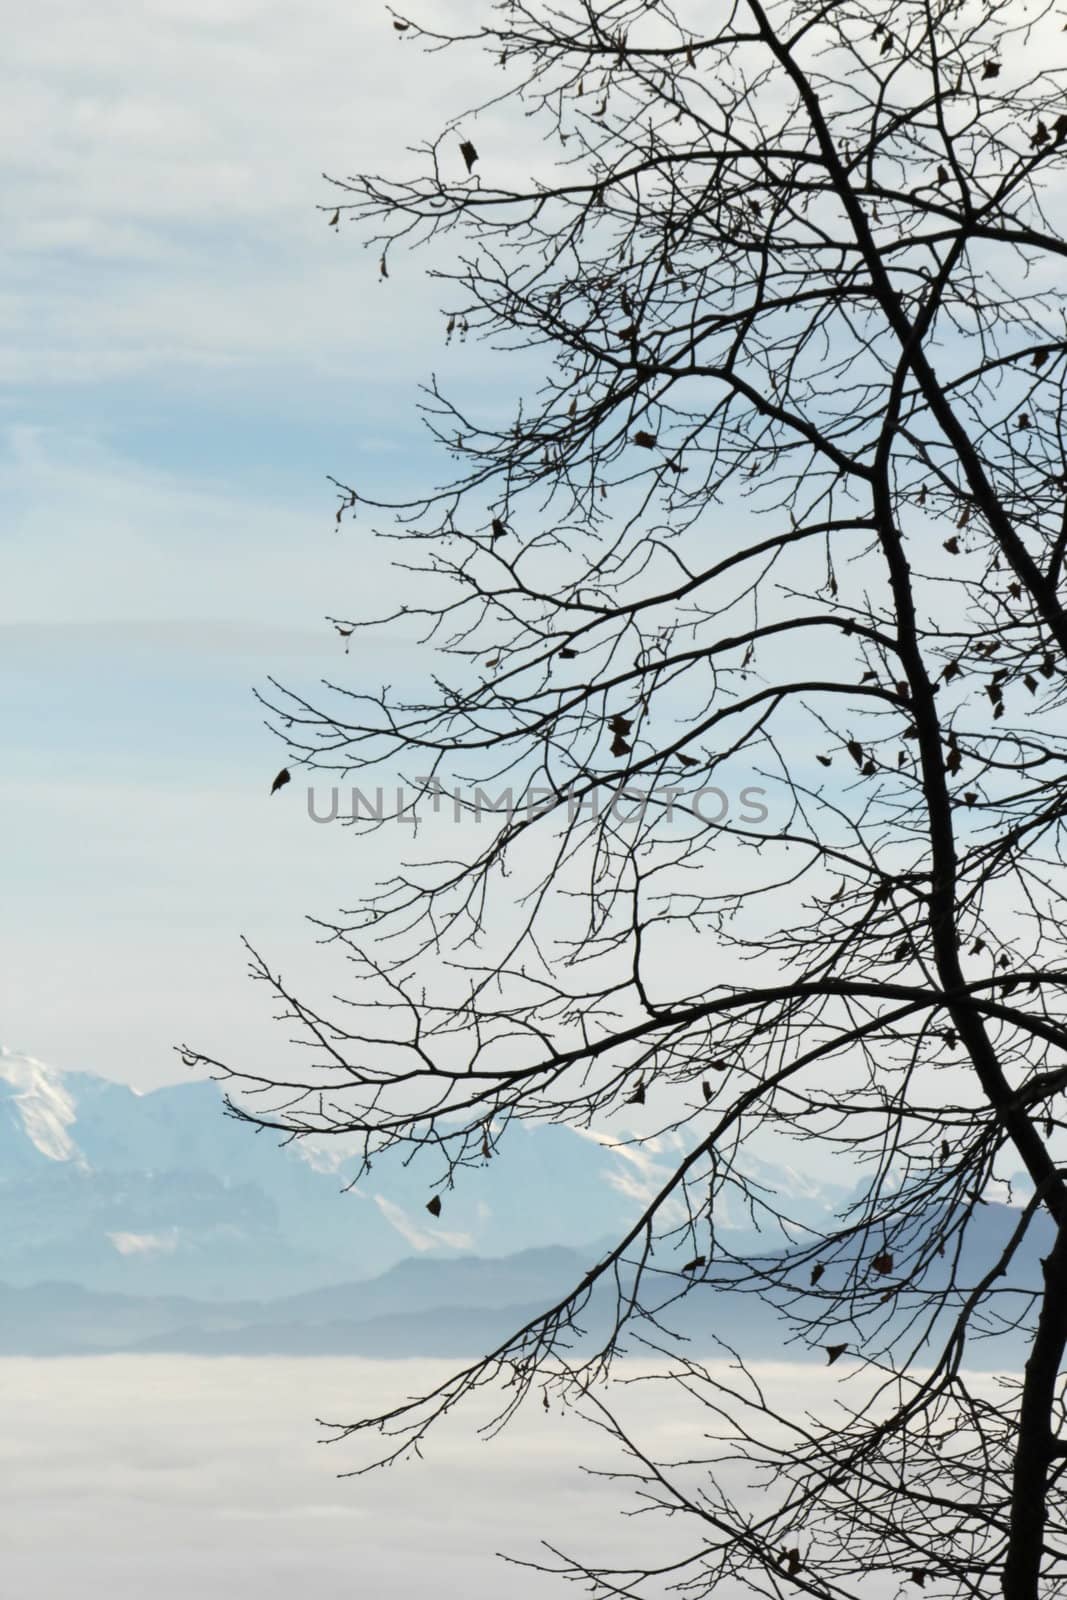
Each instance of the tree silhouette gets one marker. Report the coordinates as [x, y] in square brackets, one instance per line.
[784, 505]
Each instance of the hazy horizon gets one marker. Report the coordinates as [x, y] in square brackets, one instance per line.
[176, 1475]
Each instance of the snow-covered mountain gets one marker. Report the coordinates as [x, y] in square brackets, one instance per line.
[161, 1194]
[153, 1221]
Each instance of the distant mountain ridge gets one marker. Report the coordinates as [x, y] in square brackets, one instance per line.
[419, 1307]
[459, 1309]
[161, 1193]
[154, 1222]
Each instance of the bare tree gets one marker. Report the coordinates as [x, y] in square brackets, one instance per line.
[785, 502]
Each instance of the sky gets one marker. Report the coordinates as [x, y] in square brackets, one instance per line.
[187, 351]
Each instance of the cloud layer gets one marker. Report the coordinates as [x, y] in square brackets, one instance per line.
[177, 1476]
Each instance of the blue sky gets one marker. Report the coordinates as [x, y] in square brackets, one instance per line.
[187, 351]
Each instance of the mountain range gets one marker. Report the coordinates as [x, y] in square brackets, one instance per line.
[154, 1221]
[162, 1193]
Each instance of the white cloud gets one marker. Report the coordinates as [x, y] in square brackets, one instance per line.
[145, 1244]
[164, 165]
[125, 1477]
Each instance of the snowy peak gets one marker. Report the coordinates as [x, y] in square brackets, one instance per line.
[161, 1192]
[39, 1097]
